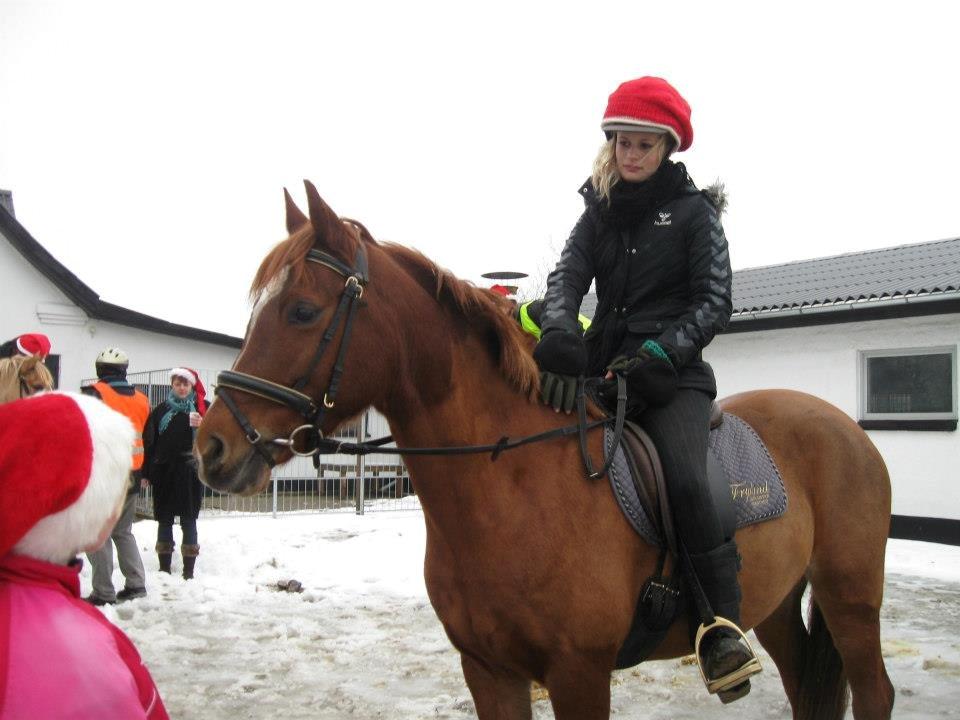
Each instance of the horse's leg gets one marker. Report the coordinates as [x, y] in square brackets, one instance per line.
[783, 635]
[846, 570]
[579, 689]
[497, 696]
[850, 602]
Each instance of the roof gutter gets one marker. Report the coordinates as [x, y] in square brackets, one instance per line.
[855, 305]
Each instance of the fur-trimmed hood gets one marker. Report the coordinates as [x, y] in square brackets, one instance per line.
[716, 193]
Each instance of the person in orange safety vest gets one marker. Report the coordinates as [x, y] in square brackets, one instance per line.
[118, 394]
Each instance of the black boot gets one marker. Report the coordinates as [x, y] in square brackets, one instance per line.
[165, 555]
[190, 553]
[725, 657]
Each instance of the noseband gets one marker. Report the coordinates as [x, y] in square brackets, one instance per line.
[293, 397]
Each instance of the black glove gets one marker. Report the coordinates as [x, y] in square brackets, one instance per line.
[648, 376]
[558, 390]
[562, 352]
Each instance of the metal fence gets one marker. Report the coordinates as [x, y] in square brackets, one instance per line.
[341, 483]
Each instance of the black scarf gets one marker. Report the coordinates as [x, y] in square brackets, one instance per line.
[630, 201]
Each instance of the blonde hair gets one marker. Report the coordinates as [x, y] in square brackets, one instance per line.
[605, 174]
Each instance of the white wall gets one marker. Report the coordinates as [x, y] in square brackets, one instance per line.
[823, 361]
[31, 303]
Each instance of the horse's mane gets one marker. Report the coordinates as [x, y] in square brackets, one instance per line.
[486, 312]
[30, 370]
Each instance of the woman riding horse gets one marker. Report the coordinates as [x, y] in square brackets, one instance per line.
[657, 249]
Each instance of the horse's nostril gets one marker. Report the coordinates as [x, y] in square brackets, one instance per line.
[212, 455]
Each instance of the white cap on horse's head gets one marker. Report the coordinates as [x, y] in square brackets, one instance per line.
[113, 356]
[64, 471]
[649, 104]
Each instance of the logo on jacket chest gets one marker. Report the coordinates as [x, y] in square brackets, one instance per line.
[664, 219]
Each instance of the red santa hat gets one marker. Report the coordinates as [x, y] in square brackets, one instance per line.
[192, 377]
[500, 290]
[64, 470]
[34, 344]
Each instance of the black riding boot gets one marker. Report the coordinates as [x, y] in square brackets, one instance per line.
[165, 555]
[723, 653]
[190, 553]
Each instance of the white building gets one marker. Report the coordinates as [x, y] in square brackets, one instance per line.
[875, 333]
[41, 295]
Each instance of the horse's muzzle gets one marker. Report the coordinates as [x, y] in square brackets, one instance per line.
[248, 476]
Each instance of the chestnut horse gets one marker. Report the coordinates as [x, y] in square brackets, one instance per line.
[530, 566]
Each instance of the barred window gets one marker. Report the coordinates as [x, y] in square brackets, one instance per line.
[911, 389]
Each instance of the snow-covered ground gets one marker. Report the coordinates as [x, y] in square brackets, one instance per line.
[361, 640]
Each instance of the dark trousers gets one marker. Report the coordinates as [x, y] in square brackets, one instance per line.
[187, 525]
[680, 431]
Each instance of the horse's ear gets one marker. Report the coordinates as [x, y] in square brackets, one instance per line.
[295, 217]
[329, 231]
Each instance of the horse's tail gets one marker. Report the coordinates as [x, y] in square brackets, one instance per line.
[824, 692]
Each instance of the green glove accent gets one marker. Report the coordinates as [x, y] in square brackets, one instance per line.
[558, 391]
[648, 376]
[656, 349]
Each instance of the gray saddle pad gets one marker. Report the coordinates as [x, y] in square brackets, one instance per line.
[740, 464]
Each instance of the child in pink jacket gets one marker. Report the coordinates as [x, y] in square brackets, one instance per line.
[64, 466]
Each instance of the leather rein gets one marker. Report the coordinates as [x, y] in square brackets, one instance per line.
[313, 412]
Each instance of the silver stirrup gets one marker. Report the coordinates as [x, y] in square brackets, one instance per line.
[730, 680]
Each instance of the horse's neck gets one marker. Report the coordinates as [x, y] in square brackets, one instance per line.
[479, 409]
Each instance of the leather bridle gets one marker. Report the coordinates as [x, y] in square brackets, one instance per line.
[293, 397]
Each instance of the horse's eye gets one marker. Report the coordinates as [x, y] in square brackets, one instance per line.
[302, 313]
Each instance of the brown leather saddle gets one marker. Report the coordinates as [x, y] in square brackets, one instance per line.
[648, 478]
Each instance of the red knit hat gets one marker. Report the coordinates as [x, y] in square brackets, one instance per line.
[192, 377]
[34, 344]
[64, 464]
[652, 104]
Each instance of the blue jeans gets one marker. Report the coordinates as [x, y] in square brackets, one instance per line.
[187, 525]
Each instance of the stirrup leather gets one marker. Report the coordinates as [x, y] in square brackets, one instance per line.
[730, 680]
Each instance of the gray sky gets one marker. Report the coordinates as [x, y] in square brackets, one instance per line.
[147, 144]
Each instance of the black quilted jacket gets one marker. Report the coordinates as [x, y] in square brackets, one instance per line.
[666, 278]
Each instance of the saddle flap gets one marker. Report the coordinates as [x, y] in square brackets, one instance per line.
[647, 474]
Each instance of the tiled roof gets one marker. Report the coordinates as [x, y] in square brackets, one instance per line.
[921, 269]
[887, 273]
